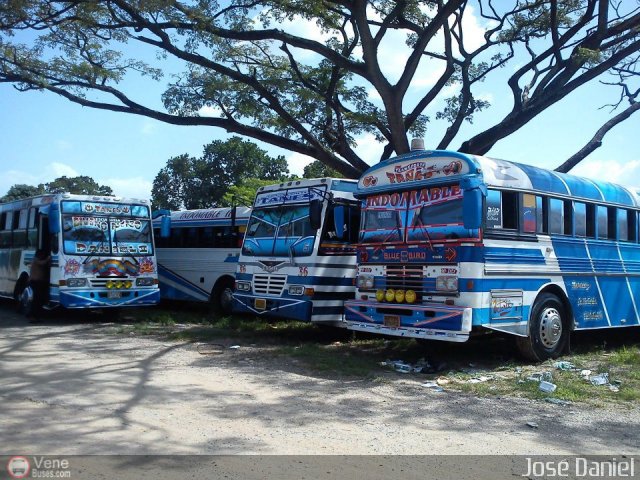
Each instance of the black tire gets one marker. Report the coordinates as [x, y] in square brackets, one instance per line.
[25, 302]
[548, 330]
[221, 297]
[21, 284]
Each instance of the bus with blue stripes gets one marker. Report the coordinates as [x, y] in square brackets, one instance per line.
[99, 248]
[454, 245]
[298, 256]
[198, 252]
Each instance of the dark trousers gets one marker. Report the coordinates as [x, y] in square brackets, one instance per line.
[40, 294]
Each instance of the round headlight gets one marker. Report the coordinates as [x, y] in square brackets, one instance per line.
[380, 295]
[410, 296]
[128, 284]
[109, 284]
[399, 296]
[390, 295]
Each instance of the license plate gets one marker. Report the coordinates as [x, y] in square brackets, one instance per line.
[114, 294]
[260, 304]
[392, 321]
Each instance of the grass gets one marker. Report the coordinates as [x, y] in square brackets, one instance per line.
[336, 352]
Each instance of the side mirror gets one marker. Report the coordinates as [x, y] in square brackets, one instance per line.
[54, 218]
[472, 209]
[165, 227]
[338, 220]
[315, 214]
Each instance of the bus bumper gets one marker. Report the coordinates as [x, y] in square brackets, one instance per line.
[78, 298]
[273, 307]
[428, 321]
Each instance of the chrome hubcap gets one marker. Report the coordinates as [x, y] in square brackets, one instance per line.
[226, 298]
[550, 327]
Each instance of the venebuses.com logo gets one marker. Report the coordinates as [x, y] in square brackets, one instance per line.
[18, 467]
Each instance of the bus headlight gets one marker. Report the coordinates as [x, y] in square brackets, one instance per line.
[144, 282]
[399, 296]
[243, 286]
[447, 283]
[364, 281]
[390, 295]
[380, 295]
[76, 282]
[296, 290]
[410, 296]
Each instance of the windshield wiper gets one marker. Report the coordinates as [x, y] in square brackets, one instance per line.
[423, 228]
[127, 254]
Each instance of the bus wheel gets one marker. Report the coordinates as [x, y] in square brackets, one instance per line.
[25, 303]
[548, 331]
[222, 298]
[21, 284]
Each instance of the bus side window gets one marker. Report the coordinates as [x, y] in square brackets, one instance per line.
[612, 223]
[580, 219]
[529, 213]
[602, 222]
[5, 234]
[493, 209]
[32, 227]
[632, 225]
[591, 220]
[353, 224]
[556, 216]
[622, 217]
[19, 227]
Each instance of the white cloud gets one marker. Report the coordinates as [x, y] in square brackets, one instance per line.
[297, 162]
[136, 187]
[625, 173]
[57, 169]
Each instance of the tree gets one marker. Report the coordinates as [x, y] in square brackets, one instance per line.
[82, 185]
[21, 190]
[317, 169]
[243, 193]
[188, 182]
[243, 60]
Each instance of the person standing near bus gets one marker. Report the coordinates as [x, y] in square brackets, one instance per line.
[39, 279]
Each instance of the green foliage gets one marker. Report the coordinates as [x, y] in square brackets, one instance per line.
[318, 169]
[81, 185]
[188, 182]
[20, 190]
[244, 192]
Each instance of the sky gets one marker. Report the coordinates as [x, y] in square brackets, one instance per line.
[44, 136]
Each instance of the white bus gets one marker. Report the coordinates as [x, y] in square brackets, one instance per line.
[298, 255]
[101, 250]
[198, 252]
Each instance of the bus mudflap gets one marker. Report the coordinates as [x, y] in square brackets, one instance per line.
[428, 321]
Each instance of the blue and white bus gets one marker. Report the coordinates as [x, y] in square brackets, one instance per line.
[298, 255]
[198, 253]
[101, 250]
[455, 244]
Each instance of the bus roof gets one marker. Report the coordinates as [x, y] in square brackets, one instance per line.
[411, 171]
[335, 184]
[48, 198]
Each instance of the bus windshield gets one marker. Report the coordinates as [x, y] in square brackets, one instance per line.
[414, 216]
[279, 231]
[104, 235]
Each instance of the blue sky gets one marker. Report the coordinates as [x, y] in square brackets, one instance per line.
[44, 136]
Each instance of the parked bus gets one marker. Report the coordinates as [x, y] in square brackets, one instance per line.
[100, 249]
[198, 254]
[455, 244]
[298, 255]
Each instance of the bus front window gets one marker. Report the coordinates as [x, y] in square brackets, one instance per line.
[382, 225]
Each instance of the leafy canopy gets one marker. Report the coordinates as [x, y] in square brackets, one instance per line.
[188, 182]
[311, 76]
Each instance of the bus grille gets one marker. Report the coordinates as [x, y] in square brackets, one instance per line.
[404, 277]
[102, 282]
[269, 284]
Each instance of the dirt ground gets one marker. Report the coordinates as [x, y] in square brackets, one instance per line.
[68, 387]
